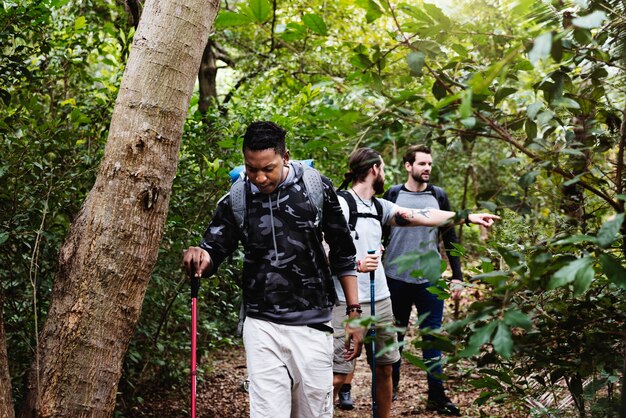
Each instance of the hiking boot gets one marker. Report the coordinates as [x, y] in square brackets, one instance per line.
[440, 403]
[345, 399]
[394, 396]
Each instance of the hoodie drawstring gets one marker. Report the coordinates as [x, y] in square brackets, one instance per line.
[272, 223]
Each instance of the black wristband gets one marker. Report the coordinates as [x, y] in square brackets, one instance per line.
[467, 219]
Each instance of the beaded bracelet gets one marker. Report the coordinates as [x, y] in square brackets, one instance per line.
[354, 308]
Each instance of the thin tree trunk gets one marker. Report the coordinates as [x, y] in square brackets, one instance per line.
[6, 397]
[108, 255]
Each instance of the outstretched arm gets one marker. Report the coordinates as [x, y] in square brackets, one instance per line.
[436, 217]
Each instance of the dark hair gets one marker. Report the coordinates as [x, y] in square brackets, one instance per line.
[360, 163]
[262, 135]
[409, 156]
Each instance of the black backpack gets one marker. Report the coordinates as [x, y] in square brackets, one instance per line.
[393, 192]
[354, 214]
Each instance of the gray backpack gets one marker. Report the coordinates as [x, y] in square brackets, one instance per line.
[312, 180]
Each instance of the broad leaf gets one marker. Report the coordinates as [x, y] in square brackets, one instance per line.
[614, 270]
[416, 61]
[372, 9]
[315, 23]
[503, 93]
[227, 19]
[466, 104]
[502, 341]
[574, 239]
[570, 271]
[584, 277]
[515, 318]
[609, 230]
[260, 9]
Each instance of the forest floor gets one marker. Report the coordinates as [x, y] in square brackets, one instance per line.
[220, 392]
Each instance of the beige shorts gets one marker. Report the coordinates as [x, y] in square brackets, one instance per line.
[290, 370]
[384, 336]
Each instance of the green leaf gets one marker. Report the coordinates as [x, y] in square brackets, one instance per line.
[569, 272]
[315, 23]
[566, 102]
[528, 179]
[469, 123]
[531, 129]
[533, 109]
[228, 19]
[373, 10]
[541, 48]
[260, 9]
[574, 239]
[482, 335]
[502, 93]
[466, 104]
[416, 61]
[614, 270]
[590, 21]
[515, 318]
[584, 277]
[4, 236]
[490, 206]
[430, 263]
[486, 382]
[609, 230]
[80, 23]
[437, 15]
[502, 341]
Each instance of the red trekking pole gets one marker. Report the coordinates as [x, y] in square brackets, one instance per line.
[195, 286]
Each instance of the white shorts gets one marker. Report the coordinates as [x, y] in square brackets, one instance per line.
[290, 370]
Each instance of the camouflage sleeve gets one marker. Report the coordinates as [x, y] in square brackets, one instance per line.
[222, 235]
[337, 234]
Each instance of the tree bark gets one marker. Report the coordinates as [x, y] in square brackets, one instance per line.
[107, 258]
[6, 397]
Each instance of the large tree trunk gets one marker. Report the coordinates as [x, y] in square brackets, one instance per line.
[6, 397]
[107, 258]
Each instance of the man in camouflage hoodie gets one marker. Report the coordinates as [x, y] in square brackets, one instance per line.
[288, 288]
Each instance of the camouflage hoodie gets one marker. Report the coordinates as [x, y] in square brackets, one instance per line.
[286, 276]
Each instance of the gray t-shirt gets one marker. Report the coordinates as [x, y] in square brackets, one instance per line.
[411, 239]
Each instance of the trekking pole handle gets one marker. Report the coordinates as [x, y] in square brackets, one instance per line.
[373, 272]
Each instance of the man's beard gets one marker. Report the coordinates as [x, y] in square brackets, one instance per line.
[379, 185]
[418, 178]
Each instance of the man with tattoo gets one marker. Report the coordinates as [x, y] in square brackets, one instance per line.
[366, 215]
[408, 290]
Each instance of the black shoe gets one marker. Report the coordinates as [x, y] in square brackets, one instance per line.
[394, 396]
[345, 400]
[439, 402]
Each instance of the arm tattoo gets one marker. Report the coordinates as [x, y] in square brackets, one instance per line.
[402, 218]
[423, 212]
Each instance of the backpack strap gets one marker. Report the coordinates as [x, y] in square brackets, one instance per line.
[237, 198]
[392, 194]
[354, 214]
[315, 189]
[312, 180]
[439, 195]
